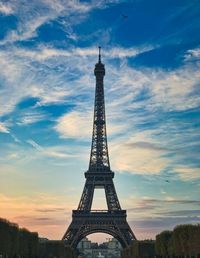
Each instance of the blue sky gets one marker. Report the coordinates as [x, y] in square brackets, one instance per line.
[151, 52]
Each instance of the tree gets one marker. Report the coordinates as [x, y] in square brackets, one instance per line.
[33, 244]
[4, 237]
[23, 242]
[163, 243]
[146, 248]
[14, 239]
[186, 240]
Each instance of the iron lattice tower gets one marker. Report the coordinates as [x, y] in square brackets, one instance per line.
[99, 175]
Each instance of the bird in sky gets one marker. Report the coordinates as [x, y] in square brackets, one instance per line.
[124, 16]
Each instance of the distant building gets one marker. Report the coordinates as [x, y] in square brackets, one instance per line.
[114, 248]
[110, 249]
[85, 243]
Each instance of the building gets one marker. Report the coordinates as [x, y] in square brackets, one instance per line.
[110, 249]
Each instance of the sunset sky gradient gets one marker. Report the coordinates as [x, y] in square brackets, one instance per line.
[151, 52]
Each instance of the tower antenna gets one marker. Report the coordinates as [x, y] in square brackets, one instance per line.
[99, 54]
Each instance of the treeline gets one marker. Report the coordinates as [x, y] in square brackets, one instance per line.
[145, 248]
[57, 249]
[183, 241]
[19, 242]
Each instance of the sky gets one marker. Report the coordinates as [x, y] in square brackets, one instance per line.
[151, 52]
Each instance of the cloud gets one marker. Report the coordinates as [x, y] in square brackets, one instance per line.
[30, 117]
[45, 52]
[192, 54]
[19, 68]
[188, 173]
[182, 213]
[39, 221]
[25, 31]
[146, 145]
[30, 19]
[3, 128]
[35, 145]
[32, 15]
[148, 216]
[126, 85]
[162, 223]
[148, 207]
[6, 8]
[57, 209]
[135, 98]
[119, 52]
[78, 125]
[75, 124]
[19, 71]
[52, 152]
[142, 208]
[149, 159]
[160, 203]
[143, 157]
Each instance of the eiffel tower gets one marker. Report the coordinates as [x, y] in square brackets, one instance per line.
[99, 175]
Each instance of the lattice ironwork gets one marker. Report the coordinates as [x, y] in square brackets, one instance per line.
[110, 222]
[99, 159]
[99, 175]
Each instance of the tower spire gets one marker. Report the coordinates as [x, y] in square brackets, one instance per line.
[99, 159]
[99, 54]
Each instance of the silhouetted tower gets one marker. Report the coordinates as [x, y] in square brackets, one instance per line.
[99, 175]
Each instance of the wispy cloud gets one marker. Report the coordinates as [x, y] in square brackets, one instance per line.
[156, 215]
[52, 152]
[136, 159]
[163, 87]
[153, 226]
[46, 52]
[57, 209]
[31, 16]
[78, 125]
[139, 96]
[3, 128]
[6, 8]
[182, 213]
[30, 19]
[74, 125]
[188, 173]
[155, 208]
[192, 54]
[30, 117]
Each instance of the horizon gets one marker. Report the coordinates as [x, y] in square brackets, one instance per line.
[151, 52]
